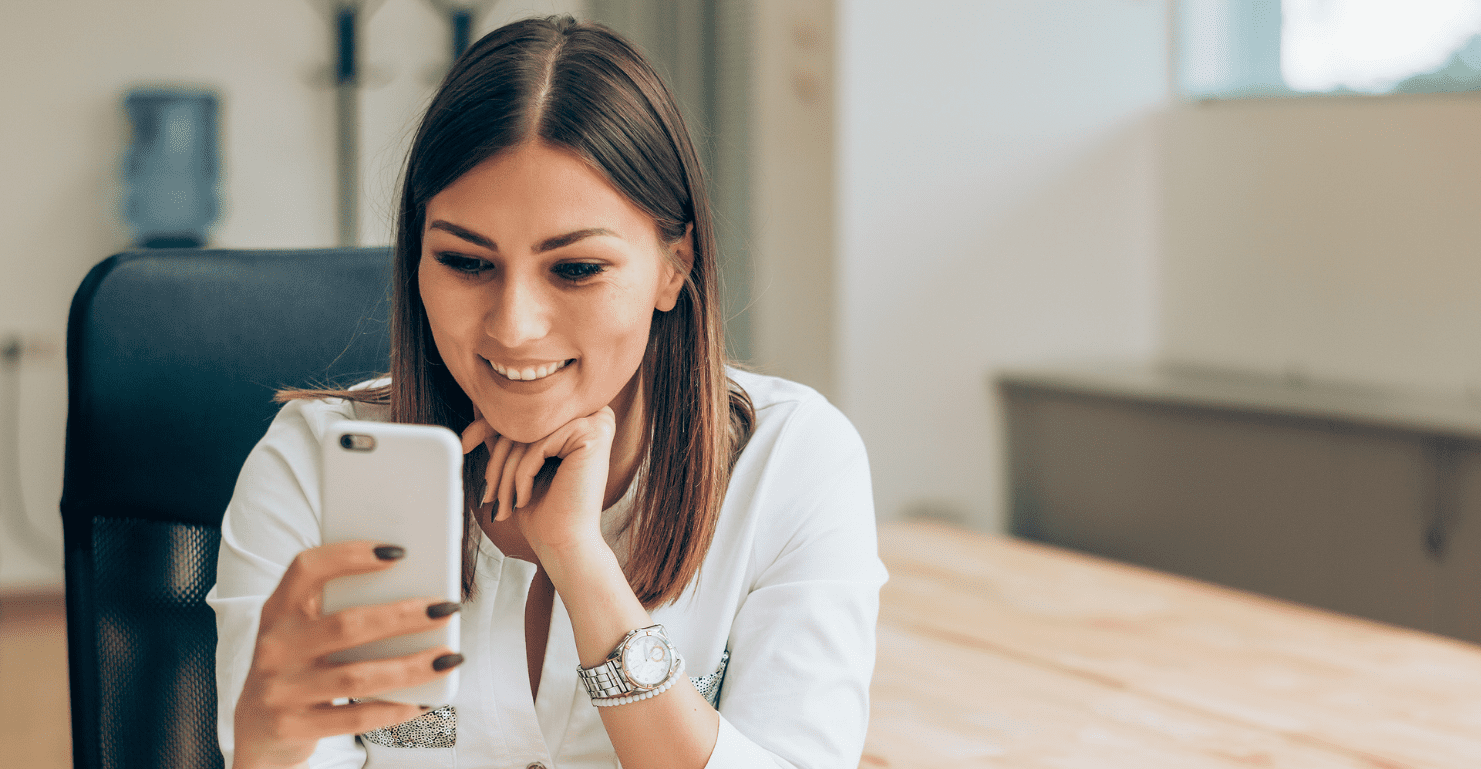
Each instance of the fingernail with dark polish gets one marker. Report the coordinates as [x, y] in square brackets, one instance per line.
[390, 552]
[447, 661]
[425, 707]
[439, 610]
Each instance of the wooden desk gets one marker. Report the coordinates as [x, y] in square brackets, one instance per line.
[998, 652]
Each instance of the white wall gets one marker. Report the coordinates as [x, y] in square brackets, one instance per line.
[64, 67]
[794, 309]
[1010, 184]
[1016, 185]
[997, 205]
[1335, 238]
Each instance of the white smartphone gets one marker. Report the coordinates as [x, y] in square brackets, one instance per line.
[401, 485]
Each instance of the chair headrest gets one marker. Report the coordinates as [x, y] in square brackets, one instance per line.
[173, 357]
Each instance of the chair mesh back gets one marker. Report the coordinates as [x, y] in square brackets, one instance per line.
[150, 583]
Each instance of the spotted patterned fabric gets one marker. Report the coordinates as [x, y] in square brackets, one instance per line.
[439, 728]
[709, 686]
[433, 729]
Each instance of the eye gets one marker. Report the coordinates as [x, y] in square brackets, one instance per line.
[467, 265]
[577, 271]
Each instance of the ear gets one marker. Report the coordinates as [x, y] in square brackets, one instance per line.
[676, 266]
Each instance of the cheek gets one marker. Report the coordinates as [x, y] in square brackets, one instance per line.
[619, 325]
[449, 316]
[614, 337]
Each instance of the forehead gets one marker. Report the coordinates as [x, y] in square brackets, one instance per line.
[536, 190]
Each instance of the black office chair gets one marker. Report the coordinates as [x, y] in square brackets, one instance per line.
[172, 358]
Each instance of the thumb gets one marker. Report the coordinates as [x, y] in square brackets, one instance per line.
[476, 433]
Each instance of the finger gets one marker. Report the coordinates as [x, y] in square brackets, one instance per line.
[360, 717]
[302, 586]
[506, 480]
[495, 468]
[606, 415]
[599, 428]
[477, 432]
[555, 445]
[362, 624]
[374, 677]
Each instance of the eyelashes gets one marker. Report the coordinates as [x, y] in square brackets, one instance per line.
[464, 264]
[573, 272]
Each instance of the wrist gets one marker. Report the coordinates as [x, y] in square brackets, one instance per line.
[596, 595]
[573, 555]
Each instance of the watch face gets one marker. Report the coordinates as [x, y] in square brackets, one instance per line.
[646, 660]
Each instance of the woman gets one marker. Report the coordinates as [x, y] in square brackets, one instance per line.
[555, 299]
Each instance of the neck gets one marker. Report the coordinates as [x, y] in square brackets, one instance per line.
[627, 445]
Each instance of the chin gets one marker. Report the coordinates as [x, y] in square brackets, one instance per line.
[523, 435]
[529, 430]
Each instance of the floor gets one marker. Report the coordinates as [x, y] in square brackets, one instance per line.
[34, 723]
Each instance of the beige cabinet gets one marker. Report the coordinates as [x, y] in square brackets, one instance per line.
[1363, 501]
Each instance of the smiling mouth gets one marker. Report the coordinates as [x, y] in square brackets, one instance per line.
[530, 373]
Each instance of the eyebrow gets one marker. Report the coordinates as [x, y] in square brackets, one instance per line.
[549, 244]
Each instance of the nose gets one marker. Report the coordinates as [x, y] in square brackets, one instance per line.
[520, 313]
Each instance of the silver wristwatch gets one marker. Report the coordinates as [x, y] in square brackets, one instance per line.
[643, 661]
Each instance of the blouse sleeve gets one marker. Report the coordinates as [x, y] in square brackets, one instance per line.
[796, 692]
[272, 516]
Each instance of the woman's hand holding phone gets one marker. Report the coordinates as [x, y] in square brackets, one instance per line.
[286, 702]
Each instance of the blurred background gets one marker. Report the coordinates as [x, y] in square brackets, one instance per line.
[916, 199]
[1187, 283]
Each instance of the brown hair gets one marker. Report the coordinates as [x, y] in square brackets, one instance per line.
[580, 86]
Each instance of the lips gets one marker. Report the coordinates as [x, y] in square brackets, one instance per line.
[529, 373]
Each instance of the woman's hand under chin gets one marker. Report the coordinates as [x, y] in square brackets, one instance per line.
[560, 515]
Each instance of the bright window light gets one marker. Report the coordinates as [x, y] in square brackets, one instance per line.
[1245, 48]
[1372, 45]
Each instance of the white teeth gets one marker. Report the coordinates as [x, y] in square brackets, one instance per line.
[529, 374]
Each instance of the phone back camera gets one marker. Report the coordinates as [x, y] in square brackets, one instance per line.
[354, 442]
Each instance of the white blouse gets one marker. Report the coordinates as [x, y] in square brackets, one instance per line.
[790, 587]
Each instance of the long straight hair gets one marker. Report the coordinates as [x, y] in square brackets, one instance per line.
[582, 87]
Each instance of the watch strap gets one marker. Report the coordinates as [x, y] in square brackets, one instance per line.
[607, 679]
[636, 696]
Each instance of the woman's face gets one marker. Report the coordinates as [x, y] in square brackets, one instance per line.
[540, 281]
